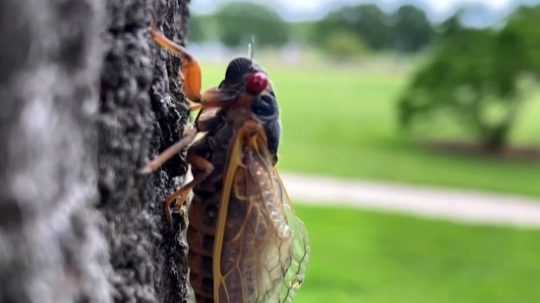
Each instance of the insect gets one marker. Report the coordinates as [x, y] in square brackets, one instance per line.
[246, 244]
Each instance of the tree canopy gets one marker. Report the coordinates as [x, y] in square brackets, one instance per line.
[366, 21]
[407, 30]
[474, 76]
[411, 29]
[237, 22]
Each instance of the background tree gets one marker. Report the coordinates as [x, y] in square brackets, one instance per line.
[366, 21]
[412, 30]
[450, 26]
[343, 45]
[407, 30]
[237, 22]
[474, 76]
[196, 29]
[523, 31]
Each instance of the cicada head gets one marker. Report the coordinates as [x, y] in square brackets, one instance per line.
[238, 69]
[244, 76]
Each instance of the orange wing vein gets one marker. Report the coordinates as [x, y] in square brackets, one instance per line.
[261, 249]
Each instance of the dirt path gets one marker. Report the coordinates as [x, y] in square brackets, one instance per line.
[454, 205]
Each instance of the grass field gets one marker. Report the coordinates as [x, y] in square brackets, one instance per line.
[342, 122]
[371, 258]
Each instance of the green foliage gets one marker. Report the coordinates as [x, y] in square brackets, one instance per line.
[301, 31]
[407, 30]
[343, 45]
[196, 31]
[367, 21]
[523, 33]
[474, 76]
[411, 29]
[451, 26]
[237, 22]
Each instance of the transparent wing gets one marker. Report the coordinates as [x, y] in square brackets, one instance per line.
[300, 249]
[265, 249]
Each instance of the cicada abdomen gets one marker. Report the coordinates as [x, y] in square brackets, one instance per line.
[246, 244]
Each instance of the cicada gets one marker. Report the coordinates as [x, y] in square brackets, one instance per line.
[246, 244]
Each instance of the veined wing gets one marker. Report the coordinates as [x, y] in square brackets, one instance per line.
[264, 250]
[300, 250]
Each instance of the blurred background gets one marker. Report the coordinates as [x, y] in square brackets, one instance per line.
[429, 95]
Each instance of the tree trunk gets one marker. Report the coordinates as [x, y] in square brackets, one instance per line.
[86, 100]
[495, 138]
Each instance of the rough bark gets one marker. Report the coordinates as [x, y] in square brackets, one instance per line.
[86, 99]
[141, 114]
[51, 249]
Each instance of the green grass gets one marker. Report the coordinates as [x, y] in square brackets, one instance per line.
[342, 122]
[371, 258]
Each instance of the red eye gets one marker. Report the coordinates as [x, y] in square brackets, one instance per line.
[256, 83]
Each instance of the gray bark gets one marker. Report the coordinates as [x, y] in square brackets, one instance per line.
[141, 114]
[86, 100]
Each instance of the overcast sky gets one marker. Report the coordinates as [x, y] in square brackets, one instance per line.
[313, 9]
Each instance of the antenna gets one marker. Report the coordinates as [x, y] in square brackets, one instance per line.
[251, 48]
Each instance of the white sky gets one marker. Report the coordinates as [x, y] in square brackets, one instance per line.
[310, 9]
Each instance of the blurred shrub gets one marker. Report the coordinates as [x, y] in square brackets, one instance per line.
[343, 45]
[237, 22]
[474, 75]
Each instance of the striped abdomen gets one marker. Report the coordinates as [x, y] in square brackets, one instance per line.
[201, 235]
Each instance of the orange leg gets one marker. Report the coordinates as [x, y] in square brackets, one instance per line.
[191, 74]
[190, 71]
[152, 166]
[179, 197]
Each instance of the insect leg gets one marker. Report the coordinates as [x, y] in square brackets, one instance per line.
[190, 71]
[202, 168]
[152, 166]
